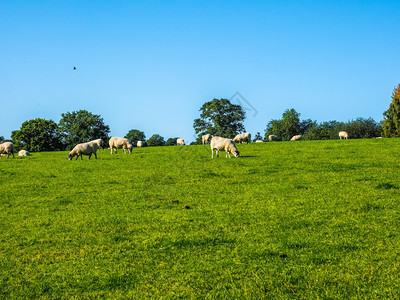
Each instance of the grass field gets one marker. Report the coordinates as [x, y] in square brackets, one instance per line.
[286, 220]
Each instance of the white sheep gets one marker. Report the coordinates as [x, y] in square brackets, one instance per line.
[206, 138]
[88, 148]
[273, 137]
[118, 142]
[7, 148]
[180, 142]
[23, 153]
[343, 134]
[243, 137]
[139, 144]
[296, 138]
[223, 144]
[259, 141]
[99, 142]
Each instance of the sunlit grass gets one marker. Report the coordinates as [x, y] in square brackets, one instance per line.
[285, 220]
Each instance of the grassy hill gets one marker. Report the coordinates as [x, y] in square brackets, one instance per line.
[297, 220]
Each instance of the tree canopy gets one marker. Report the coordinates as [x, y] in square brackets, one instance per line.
[156, 140]
[37, 135]
[171, 141]
[291, 125]
[220, 117]
[135, 135]
[82, 126]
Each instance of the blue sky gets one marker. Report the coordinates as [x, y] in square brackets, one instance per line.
[150, 65]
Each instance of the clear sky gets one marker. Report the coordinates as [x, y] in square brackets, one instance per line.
[150, 65]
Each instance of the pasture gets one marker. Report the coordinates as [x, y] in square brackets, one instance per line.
[286, 220]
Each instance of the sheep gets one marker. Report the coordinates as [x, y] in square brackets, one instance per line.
[7, 148]
[88, 148]
[243, 137]
[296, 138]
[180, 142]
[273, 137]
[118, 142]
[223, 144]
[343, 134]
[259, 141]
[23, 153]
[99, 142]
[206, 138]
[139, 144]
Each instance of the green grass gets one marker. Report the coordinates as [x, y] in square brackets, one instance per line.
[286, 220]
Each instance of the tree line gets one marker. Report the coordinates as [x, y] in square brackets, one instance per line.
[220, 117]
[217, 117]
[74, 127]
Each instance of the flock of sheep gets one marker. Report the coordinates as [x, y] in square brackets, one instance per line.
[217, 143]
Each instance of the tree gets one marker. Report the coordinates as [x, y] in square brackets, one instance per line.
[156, 140]
[1, 138]
[391, 117]
[37, 135]
[135, 135]
[219, 117]
[363, 128]
[287, 127]
[82, 126]
[171, 142]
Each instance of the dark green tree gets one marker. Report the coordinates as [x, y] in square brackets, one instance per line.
[1, 138]
[219, 117]
[171, 142]
[391, 117]
[37, 135]
[287, 127]
[82, 126]
[156, 140]
[135, 135]
[363, 128]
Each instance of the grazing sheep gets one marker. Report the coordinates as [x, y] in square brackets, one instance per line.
[7, 148]
[343, 134]
[117, 142]
[273, 137]
[139, 144]
[243, 137]
[88, 148]
[223, 144]
[180, 142]
[206, 138]
[99, 142]
[296, 138]
[259, 141]
[23, 153]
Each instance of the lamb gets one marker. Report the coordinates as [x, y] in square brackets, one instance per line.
[7, 148]
[206, 138]
[23, 153]
[88, 148]
[118, 142]
[139, 144]
[223, 144]
[180, 142]
[243, 137]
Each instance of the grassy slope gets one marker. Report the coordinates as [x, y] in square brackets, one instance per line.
[286, 220]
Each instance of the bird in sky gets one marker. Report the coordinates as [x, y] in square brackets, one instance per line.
[74, 68]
